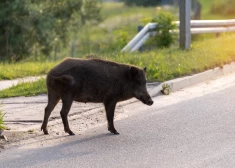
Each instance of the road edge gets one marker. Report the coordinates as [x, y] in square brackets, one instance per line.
[183, 82]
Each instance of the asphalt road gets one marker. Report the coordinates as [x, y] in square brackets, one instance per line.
[197, 132]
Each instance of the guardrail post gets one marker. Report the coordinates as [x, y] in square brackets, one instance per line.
[185, 33]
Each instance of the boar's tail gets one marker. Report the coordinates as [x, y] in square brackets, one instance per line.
[65, 79]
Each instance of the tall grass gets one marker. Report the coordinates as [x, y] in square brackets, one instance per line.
[23, 69]
[217, 9]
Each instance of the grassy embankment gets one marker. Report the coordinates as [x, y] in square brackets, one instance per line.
[162, 64]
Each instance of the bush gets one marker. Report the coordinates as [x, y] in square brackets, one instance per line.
[164, 37]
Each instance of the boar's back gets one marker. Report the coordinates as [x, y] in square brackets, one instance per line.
[94, 79]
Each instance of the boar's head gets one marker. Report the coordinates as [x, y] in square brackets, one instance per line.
[138, 79]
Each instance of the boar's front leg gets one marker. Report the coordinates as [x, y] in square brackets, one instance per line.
[110, 108]
[67, 103]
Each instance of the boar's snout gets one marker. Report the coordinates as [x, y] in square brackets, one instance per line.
[150, 102]
[146, 99]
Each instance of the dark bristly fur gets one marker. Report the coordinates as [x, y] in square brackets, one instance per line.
[93, 80]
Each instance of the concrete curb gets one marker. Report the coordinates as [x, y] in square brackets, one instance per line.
[187, 81]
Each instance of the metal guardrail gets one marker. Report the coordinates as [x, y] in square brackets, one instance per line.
[197, 27]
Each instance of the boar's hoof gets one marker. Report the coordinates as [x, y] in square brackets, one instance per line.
[70, 132]
[114, 132]
[45, 131]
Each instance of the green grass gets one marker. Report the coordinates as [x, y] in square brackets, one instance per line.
[207, 13]
[25, 89]
[114, 9]
[166, 64]
[2, 127]
[162, 64]
[19, 70]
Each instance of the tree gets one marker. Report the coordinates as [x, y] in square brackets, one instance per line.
[28, 26]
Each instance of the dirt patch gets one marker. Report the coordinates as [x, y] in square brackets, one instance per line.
[78, 123]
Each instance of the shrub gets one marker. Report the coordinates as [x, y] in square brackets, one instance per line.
[164, 37]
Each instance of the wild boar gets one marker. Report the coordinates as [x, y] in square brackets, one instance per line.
[93, 80]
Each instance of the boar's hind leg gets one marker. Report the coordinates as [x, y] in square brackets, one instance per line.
[110, 108]
[52, 101]
[67, 103]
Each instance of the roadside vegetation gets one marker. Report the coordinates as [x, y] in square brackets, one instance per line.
[2, 127]
[217, 9]
[118, 27]
[25, 89]
[162, 64]
[24, 69]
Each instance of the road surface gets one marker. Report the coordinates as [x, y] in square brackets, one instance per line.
[191, 128]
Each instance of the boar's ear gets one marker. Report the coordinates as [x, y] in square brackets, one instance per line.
[145, 69]
[133, 71]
